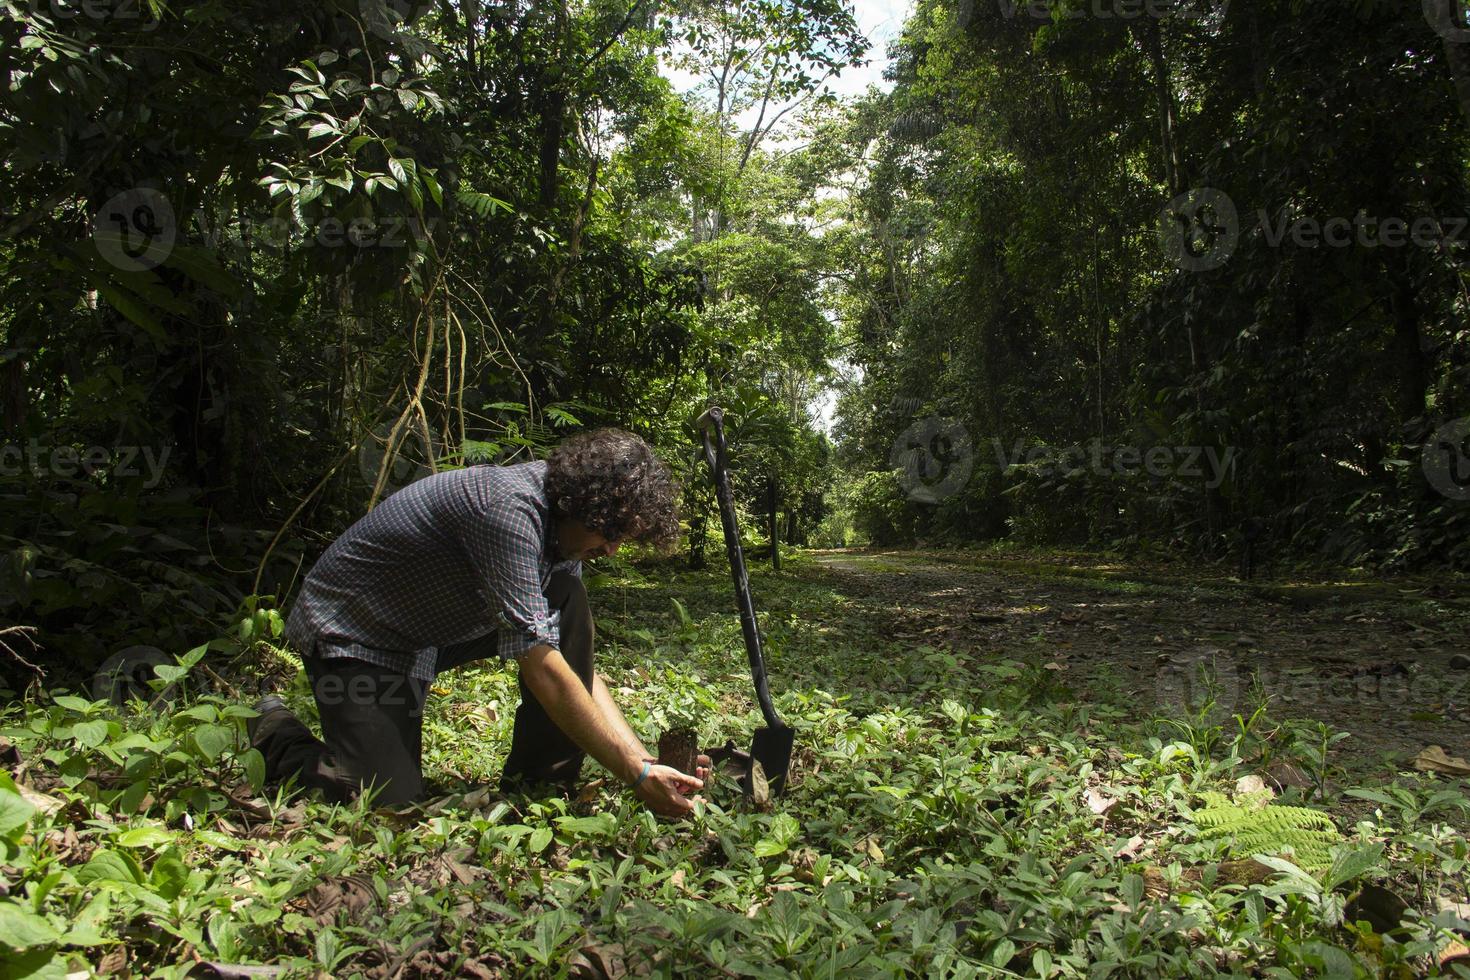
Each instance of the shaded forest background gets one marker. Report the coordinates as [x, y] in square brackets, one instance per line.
[264, 263]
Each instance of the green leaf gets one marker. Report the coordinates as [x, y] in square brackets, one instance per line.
[203, 267]
[22, 928]
[598, 825]
[768, 847]
[132, 309]
[199, 712]
[195, 655]
[169, 875]
[90, 733]
[88, 927]
[254, 764]
[169, 673]
[395, 167]
[212, 740]
[129, 799]
[144, 837]
[1352, 863]
[436, 193]
[15, 812]
[110, 866]
[540, 837]
[40, 963]
[73, 703]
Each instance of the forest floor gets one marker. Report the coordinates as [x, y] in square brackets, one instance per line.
[1386, 662]
[1017, 765]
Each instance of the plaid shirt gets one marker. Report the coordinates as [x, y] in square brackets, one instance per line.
[456, 558]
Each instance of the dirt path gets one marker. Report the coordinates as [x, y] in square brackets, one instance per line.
[1371, 659]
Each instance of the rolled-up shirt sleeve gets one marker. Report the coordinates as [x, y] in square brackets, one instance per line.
[505, 548]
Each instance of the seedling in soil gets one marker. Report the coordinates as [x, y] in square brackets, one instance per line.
[678, 749]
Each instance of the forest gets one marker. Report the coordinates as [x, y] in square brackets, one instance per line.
[1096, 391]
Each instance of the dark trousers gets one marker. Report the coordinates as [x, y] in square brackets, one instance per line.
[372, 719]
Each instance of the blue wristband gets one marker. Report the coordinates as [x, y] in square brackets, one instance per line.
[643, 775]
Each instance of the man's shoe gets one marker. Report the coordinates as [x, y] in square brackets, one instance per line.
[267, 705]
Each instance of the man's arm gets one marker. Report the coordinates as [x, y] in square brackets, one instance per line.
[578, 714]
[614, 714]
[615, 717]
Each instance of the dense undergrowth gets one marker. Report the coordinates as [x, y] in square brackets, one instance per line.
[950, 815]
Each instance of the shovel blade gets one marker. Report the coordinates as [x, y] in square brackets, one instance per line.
[772, 749]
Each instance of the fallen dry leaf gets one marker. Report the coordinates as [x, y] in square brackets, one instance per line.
[113, 962]
[1246, 872]
[353, 894]
[41, 801]
[1248, 785]
[1130, 849]
[1456, 954]
[1284, 774]
[596, 962]
[1098, 803]
[1435, 759]
[760, 788]
[233, 971]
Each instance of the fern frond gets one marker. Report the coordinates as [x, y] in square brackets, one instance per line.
[1250, 829]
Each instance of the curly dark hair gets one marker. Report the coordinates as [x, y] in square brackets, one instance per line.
[611, 481]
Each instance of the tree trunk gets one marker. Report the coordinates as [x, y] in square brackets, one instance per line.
[1167, 107]
[697, 527]
[773, 525]
[1407, 345]
[1457, 55]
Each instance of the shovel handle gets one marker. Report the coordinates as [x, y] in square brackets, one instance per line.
[714, 454]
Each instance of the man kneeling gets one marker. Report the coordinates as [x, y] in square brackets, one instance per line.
[461, 566]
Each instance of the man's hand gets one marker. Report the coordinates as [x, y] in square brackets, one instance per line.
[592, 721]
[666, 790]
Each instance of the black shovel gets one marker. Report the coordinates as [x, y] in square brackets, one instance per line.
[772, 746]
